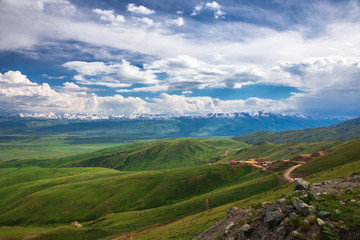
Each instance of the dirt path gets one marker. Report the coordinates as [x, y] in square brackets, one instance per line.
[289, 171]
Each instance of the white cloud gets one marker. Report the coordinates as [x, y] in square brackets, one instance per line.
[52, 77]
[186, 92]
[110, 74]
[197, 9]
[139, 9]
[186, 72]
[216, 7]
[179, 21]
[109, 16]
[180, 104]
[211, 6]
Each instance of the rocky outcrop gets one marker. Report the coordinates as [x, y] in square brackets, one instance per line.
[301, 184]
[289, 218]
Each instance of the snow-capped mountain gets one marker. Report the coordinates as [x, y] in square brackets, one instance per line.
[244, 115]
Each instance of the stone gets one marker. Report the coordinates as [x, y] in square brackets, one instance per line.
[246, 228]
[352, 200]
[287, 209]
[76, 224]
[324, 214]
[301, 184]
[281, 201]
[337, 211]
[348, 191]
[320, 222]
[302, 207]
[273, 218]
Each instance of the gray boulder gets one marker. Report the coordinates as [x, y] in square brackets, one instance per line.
[273, 217]
[301, 184]
[302, 207]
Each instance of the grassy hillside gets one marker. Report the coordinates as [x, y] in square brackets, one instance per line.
[307, 135]
[36, 195]
[209, 147]
[355, 121]
[191, 226]
[345, 153]
[275, 152]
[161, 155]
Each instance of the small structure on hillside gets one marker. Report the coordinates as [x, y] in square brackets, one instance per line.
[233, 162]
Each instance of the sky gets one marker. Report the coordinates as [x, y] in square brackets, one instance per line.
[114, 57]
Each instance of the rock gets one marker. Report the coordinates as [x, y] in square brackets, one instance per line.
[229, 227]
[287, 209]
[337, 211]
[297, 235]
[246, 228]
[320, 222]
[266, 203]
[233, 211]
[324, 214]
[281, 201]
[352, 200]
[76, 224]
[349, 191]
[301, 184]
[302, 207]
[273, 218]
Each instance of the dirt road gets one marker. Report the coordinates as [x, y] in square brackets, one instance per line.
[289, 171]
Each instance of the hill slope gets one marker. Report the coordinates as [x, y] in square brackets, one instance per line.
[275, 152]
[162, 155]
[343, 154]
[344, 131]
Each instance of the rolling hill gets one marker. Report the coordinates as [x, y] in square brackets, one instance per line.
[162, 155]
[346, 130]
[275, 152]
[107, 199]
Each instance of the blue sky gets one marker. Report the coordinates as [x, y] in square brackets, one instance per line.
[180, 57]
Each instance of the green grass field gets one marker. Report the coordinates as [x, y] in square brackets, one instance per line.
[275, 152]
[44, 147]
[39, 200]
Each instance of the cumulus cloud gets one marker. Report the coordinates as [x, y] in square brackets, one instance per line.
[180, 104]
[216, 7]
[179, 21]
[109, 74]
[52, 77]
[109, 16]
[186, 72]
[139, 9]
[21, 94]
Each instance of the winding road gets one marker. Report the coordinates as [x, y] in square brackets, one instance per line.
[289, 171]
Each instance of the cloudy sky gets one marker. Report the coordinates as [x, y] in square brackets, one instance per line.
[180, 57]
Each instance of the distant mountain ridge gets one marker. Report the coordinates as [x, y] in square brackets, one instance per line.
[148, 126]
[79, 116]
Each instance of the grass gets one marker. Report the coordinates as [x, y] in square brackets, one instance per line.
[45, 196]
[306, 135]
[155, 154]
[19, 147]
[345, 153]
[191, 226]
[275, 152]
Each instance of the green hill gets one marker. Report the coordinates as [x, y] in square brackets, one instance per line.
[160, 155]
[355, 121]
[307, 135]
[49, 197]
[343, 154]
[168, 153]
[275, 152]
